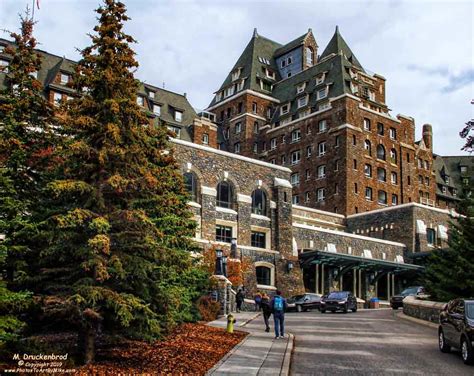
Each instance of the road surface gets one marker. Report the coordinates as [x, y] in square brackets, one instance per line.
[367, 342]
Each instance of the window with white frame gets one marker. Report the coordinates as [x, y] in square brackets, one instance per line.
[4, 65]
[205, 139]
[321, 172]
[320, 79]
[140, 101]
[295, 200]
[178, 116]
[366, 124]
[324, 105]
[380, 152]
[303, 101]
[300, 88]
[368, 193]
[308, 174]
[64, 78]
[393, 133]
[304, 113]
[322, 93]
[321, 194]
[295, 157]
[224, 233]
[380, 129]
[307, 197]
[393, 177]
[238, 127]
[393, 156]
[157, 109]
[285, 109]
[237, 147]
[321, 148]
[34, 74]
[285, 121]
[309, 151]
[176, 130]
[394, 199]
[337, 141]
[258, 239]
[309, 56]
[295, 179]
[368, 147]
[270, 73]
[273, 161]
[151, 94]
[322, 126]
[430, 236]
[283, 159]
[255, 147]
[382, 197]
[235, 74]
[218, 96]
[273, 143]
[57, 98]
[296, 135]
[368, 170]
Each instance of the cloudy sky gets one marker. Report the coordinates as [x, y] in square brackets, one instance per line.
[423, 48]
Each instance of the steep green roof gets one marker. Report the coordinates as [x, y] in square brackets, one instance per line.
[290, 46]
[451, 166]
[336, 45]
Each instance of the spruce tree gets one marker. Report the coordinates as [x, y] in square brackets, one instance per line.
[450, 272]
[114, 245]
[25, 143]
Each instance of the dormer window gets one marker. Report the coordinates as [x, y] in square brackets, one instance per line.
[303, 101]
[178, 116]
[140, 101]
[463, 169]
[321, 94]
[64, 78]
[218, 96]
[309, 56]
[289, 60]
[320, 79]
[236, 74]
[151, 94]
[157, 109]
[285, 109]
[34, 74]
[300, 88]
[2, 48]
[270, 73]
[4, 65]
[57, 98]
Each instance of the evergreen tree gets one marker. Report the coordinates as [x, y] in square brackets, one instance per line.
[450, 273]
[25, 143]
[114, 247]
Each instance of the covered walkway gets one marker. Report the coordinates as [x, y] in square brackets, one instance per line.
[366, 277]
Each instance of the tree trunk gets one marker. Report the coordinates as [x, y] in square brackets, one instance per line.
[87, 344]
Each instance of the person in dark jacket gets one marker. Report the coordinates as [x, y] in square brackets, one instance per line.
[267, 310]
[239, 299]
[278, 305]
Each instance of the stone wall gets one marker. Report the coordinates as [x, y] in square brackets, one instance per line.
[422, 309]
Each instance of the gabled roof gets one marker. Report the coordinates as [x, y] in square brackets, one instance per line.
[336, 45]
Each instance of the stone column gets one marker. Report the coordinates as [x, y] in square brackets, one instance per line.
[360, 284]
[323, 291]
[208, 213]
[393, 284]
[244, 211]
[354, 281]
[341, 278]
[316, 278]
[389, 277]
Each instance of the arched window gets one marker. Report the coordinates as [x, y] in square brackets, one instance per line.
[190, 182]
[263, 275]
[309, 56]
[393, 156]
[225, 195]
[380, 152]
[259, 202]
[368, 147]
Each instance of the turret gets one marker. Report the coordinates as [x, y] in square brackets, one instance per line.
[428, 136]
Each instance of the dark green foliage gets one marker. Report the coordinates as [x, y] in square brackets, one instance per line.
[114, 246]
[25, 143]
[450, 272]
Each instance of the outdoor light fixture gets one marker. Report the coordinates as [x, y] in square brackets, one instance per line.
[224, 266]
[219, 263]
[218, 253]
[289, 266]
[233, 248]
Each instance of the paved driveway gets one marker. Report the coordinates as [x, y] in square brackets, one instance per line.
[367, 343]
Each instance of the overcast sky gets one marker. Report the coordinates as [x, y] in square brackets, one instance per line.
[423, 48]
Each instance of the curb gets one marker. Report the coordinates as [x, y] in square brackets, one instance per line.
[429, 324]
[250, 319]
[285, 367]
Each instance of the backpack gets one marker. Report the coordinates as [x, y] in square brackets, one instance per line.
[278, 303]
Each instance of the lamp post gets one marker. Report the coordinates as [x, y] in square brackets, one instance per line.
[224, 266]
[218, 270]
[233, 248]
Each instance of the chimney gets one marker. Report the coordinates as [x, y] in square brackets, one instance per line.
[185, 95]
[428, 136]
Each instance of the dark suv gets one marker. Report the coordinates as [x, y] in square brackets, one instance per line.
[304, 302]
[456, 328]
[339, 301]
[396, 301]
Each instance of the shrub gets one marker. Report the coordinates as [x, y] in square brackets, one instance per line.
[208, 308]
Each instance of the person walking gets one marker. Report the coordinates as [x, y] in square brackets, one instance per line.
[258, 300]
[279, 305]
[239, 299]
[267, 310]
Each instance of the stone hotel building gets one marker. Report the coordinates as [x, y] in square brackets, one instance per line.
[298, 160]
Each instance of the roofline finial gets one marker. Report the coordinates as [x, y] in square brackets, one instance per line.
[255, 34]
[337, 29]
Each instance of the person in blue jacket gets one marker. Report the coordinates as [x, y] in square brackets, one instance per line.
[279, 306]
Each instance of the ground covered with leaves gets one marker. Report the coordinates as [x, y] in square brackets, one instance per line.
[192, 349]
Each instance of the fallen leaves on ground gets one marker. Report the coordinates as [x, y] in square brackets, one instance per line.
[192, 349]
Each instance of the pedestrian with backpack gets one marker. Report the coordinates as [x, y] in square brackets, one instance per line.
[267, 310]
[279, 305]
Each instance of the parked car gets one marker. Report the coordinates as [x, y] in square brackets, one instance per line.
[339, 301]
[396, 301]
[456, 328]
[304, 302]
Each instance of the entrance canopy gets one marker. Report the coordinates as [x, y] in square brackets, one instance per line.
[311, 257]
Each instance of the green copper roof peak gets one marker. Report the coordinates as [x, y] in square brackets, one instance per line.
[337, 45]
